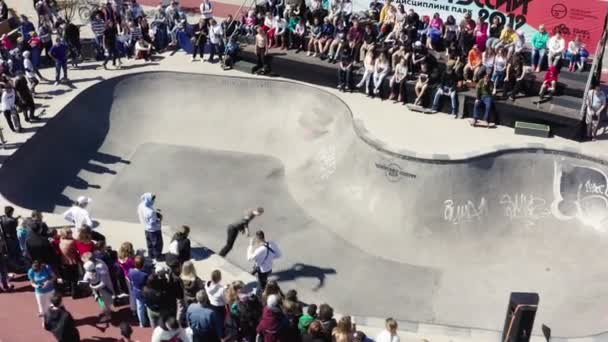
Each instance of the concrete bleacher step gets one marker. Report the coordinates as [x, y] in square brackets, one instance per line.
[570, 102]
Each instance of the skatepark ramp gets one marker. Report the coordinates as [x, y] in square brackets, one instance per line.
[372, 232]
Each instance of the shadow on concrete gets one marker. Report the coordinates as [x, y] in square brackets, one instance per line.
[201, 253]
[59, 150]
[300, 270]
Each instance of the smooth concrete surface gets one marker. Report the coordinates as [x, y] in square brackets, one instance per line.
[422, 240]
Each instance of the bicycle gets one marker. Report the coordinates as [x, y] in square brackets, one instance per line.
[86, 11]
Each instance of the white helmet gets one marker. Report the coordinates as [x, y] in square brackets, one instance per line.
[26, 54]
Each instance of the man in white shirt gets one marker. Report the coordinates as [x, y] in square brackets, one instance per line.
[262, 253]
[596, 104]
[78, 215]
[390, 334]
[30, 72]
[557, 46]
[7, 106]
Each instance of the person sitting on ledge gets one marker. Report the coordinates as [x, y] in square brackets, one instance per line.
[142, 49]
[484, 98]
[429, 74]
[397, 82]
[447, 87]
[549, 83]
[474, 63]
[345, 70]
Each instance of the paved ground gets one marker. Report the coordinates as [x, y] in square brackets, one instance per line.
[455, 234]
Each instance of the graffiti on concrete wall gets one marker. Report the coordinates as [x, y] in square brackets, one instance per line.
[581, 192]
[528, 208]
[464, 212]
[327, 161]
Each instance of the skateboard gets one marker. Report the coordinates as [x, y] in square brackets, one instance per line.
[420, 109]
[481, 123]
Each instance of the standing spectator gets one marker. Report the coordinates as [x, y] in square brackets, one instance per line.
[344, 331]
[84, 243]
[72, 38]
[272, 326]
[596, 104]
[390, 333]
[8, 229]
[78, 215]
[138, 278]
[241, 226]
[206, 11]
[8, 106]
[3, 11]
[4, 264]
[203, 321]
[345, 69]
[539, 47]
[125, 259]
[110, 35]
[169, 330]
[261, 50]
[70, 260]
[98, 26]
[59, 53]
[179, 248]
[151, 219]
[98, 278]
[216, 42]
[484, 98]
[191, 282]
[307, 319]
[577, 54]
[30, 71]
[314, 333]
[557, 46]
[60, 322]
[262, 253]
[199, 39]
[38, 245]
[41, 278]
[328, 322]
[216, 292]
[25, 99]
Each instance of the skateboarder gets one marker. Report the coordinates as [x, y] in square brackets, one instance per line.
[241, 226]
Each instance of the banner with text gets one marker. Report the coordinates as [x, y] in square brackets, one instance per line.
[572, 17]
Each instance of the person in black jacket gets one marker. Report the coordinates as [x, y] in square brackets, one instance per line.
[72, 38]
[25, 100]
[38, 245]
[3, 11]
[199, 39]
[447, 87]
[180, 247]
[109, 44]
[60, 322]
[241, 226]
[248, 314]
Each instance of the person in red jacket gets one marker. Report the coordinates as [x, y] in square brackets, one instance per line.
[550, 82]
[273, 323]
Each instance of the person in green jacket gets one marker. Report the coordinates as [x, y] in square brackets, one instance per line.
[305, 320]
[539, 47]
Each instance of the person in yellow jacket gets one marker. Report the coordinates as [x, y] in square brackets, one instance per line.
[385, 11]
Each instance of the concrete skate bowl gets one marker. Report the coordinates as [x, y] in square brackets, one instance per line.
[371, 232]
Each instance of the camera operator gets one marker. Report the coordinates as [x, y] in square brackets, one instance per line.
[151, 219]
[262, 253]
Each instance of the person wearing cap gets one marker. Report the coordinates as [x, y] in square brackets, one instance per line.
[262, 253]
[101, 285]
[78, 215]
[240, 226]
[151, 219]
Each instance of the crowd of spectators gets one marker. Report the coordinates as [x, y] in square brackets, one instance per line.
[162, 290]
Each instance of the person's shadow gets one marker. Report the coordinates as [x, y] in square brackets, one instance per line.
[300, 270]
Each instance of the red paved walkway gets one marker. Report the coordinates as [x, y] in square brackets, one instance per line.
[19, 321]
[220, 9]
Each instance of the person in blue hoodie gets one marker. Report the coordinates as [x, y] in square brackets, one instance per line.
[151, 219]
